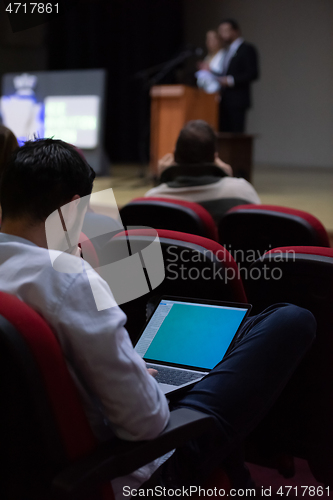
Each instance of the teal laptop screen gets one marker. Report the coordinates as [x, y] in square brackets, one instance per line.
[191, 334]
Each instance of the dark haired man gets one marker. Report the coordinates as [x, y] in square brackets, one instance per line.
[119, 394]
[239, 69]
[197, 145]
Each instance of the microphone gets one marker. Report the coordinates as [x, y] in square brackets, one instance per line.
[198, 51]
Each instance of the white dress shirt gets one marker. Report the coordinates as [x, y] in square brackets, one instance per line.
[205, 79]
[229, 54]
[118, 394]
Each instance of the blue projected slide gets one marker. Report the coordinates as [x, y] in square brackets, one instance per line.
[195, 335]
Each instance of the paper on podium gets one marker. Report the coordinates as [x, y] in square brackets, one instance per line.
[207, 81]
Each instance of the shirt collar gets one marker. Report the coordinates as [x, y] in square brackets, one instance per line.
[10, 238]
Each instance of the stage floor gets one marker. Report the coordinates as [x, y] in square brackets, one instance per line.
[306, 189]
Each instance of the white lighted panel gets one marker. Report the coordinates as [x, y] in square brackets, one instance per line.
[73, 119]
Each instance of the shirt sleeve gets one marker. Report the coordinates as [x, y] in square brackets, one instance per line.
[231, 81]
[100, 351]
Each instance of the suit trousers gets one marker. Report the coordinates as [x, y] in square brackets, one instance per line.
[232, 119]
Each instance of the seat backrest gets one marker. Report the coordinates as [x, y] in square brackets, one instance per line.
[194, 267]
[251, 230]
[102, 225]
[89, 252]
[219, 207]
[43, 423]
[303, 276]
[169, 213]
[192, 170]
[297, 274]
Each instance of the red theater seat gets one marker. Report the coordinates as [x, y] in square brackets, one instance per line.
[194, 267]
[48, 450]
[88, 251]
[300, 424]
[249, 231]
[169, 213]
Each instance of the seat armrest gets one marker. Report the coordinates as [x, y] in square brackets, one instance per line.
[119, 458]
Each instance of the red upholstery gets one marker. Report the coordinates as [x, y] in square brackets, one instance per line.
[74, 430]
[323, 252]
[222, 254]
[176, 235]
[198, 209]
[313, 221]
[73, 425]
[201, 212]
[88, 251]
[249, 231]
[216, 275]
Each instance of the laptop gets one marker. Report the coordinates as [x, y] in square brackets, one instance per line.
[186, 338]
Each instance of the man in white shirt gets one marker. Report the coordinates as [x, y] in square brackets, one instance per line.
[119, 394]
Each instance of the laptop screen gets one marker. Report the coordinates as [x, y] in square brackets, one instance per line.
[190, 333]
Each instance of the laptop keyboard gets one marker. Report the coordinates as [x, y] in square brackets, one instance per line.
[174, 377]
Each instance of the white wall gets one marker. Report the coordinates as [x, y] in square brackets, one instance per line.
[293, 101]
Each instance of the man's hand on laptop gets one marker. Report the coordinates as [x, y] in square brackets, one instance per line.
[152, 372]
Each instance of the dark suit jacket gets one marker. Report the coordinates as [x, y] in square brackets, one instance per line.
[244, 68]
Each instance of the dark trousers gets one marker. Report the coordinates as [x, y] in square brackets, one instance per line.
[239, 391]
[232, 119]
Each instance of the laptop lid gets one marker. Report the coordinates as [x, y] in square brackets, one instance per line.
[190, 333]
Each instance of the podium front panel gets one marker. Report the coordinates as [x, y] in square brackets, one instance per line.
[172, 106]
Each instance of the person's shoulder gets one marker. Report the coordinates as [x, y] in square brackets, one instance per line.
[44, 265]
[25, 251]
[236, 181]
[241, 187]
[156, 191]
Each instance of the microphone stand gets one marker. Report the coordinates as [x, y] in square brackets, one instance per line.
[169, 66]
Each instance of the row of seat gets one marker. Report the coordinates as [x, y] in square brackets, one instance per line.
[246, 231]
[44, 413]
[257, 236]
[300, 423]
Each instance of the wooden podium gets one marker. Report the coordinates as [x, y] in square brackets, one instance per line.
[171, 107]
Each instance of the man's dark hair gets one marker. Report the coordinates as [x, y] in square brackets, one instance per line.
[196, 143]
[233, 23]
[41, 176]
